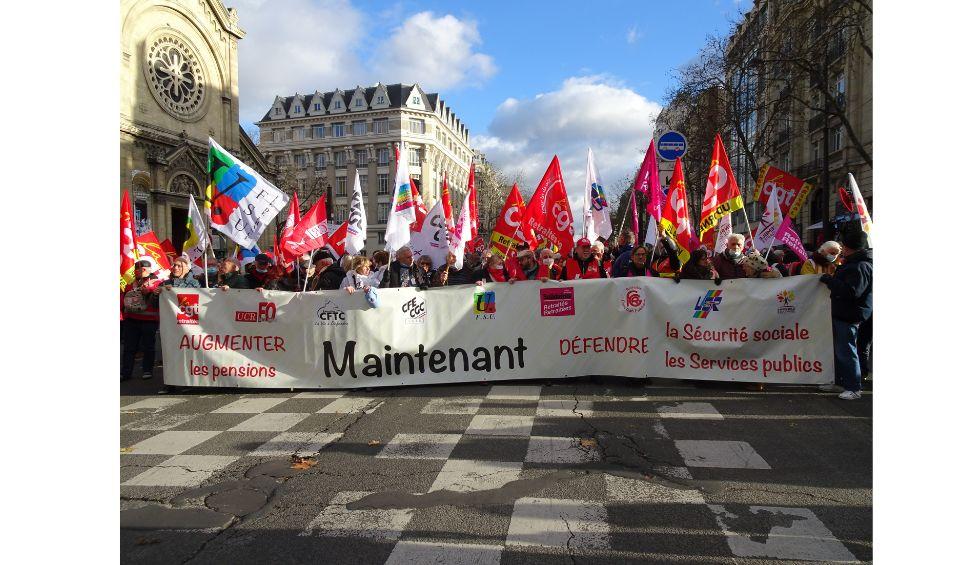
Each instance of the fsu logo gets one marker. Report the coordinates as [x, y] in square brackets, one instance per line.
[633, 301]
[265, 313]
[485, 305]
[187, 309]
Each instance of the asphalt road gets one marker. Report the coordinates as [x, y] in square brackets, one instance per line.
[523, 472]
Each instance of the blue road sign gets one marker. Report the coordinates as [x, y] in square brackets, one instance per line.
[671, 145]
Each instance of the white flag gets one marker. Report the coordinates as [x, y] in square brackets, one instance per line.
[240, 202]
[195, 241]
[598, 221]
[722, 234]
[432, 238]
[356, 224]
[866, 223]
[402, 209]
[769, 224]
[462, 232]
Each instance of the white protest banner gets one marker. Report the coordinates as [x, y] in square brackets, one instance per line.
[758, 330]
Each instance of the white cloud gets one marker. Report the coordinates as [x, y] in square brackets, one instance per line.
[291, 46]
[437, 53]
[299, 46]
[632, 35]
[591, 111]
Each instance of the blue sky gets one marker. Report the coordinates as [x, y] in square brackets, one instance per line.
[529, 78]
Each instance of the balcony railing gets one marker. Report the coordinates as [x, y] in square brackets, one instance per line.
[817, 122]
[809, 168]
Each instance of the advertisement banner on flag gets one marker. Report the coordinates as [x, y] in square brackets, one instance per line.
[763, 330]
[791, 192]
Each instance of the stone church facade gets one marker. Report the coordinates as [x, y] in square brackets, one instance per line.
[179, 86]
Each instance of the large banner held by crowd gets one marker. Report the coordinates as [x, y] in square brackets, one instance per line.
[763, 330]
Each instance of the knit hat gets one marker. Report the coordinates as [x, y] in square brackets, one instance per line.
[855, 238]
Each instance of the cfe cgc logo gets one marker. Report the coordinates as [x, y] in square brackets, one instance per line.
[265, 313]
[330, 314]
[485, 305]
[632, 299]
[708, 303]
[785, 298]
[558, 301]
[414, 311]
[187, 309]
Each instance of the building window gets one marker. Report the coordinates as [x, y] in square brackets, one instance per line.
[381, 99]
[381, 238]
[359, 103]
[415, 99]
[383, 156]
[360, 158]
[283, 160]
[320, 160]
[318, 131]
[359, 128]
[837, 139]
[381, 126]
[364, 182]
[278, 111]
[300, 161]
[382, 212]
[337, 105]
[298, 134]
[338, 130]
[340, 186]
[816, 150]
[384, 187]
[840, 89]
[339, 158]
[417, 126]
[277, 136]
[297, 109]
[414, 157]
[315, 107]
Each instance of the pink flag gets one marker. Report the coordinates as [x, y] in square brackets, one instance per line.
[788, 237]
[634, 210]
[647, 182]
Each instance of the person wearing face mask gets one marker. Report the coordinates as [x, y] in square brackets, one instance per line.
[496, 270]
[471, 273]
[228, 275]
[547, 268]
[262, 276]
[823, 261]
[729, 263]
[583, 265]
[603, 256]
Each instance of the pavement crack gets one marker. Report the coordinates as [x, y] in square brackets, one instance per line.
[571, 538]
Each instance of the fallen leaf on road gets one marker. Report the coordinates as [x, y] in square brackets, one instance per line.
[373, 442]
[587, 442]
[302, 463]
[126, 449]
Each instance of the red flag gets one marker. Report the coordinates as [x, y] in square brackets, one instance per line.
[675, 216]
[448, 211]
[337, 240]
[169, 250]
[647, 182]
[549, 212]
[150, 248]
[128, 248]
[291, 220]
[419, 207]
[722, 194]
[310, 233]
[472, 190]
[510, 228]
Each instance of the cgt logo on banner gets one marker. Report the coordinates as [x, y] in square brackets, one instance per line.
[187, 309]
[485, 305]
[708, 303]
[785, 298]
[330, 314]
[265, 313]
[414, 311]
[633, 300]
[558, 301]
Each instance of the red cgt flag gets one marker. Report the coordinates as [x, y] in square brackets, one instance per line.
[420, 209]
[722, 195]
[291, 220]
[337, 240]
[549, 212]
[675, 215]
[472, 190]
[150, 248]
[128, 251]
[510, 229]
[310, 233]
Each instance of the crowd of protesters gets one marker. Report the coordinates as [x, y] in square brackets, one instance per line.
[845, 268]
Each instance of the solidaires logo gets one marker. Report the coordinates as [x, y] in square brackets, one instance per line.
[708, 303]
[785, 298]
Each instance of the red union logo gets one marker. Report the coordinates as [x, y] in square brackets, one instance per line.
[187, 309]
[633, 300]
[265, 313]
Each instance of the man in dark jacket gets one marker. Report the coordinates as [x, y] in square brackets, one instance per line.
[262, 275]
[729, 263]
[404, 272]
[228, 275]
[471, 272]
[328, 274]
[851, 302]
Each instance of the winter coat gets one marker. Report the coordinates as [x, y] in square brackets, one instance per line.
[187, 281]
[231, 280]
[329, 279]
[358, 281]
[726, 268]
[391, 278]
[852, 288]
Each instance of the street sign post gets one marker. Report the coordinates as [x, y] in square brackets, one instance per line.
[671, 145]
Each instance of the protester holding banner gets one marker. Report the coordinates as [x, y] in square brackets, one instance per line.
[404, 272]
[262, 276]
[471, 272]
[729, 263]
[327, 274]
[228, 275]
[598, 252]
[582, 265]
[359, 277]
[526, 267]
[140, 320]
[699, 267]
[181, 275]
[756, 267]
[851, 303]
[496, 270]
[822, 261]
[547, 268]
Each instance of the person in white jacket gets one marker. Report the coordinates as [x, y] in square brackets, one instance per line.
[359, 277]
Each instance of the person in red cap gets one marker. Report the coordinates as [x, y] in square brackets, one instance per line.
[583, 265]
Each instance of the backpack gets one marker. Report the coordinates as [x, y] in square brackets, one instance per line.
[134, 301]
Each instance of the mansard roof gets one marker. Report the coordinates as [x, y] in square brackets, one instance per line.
[397, 93]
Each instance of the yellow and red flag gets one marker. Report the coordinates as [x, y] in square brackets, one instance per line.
[129, 254]
[722, 194]
[151, 249]
[675, 216]
[549, 211]
[510, 229]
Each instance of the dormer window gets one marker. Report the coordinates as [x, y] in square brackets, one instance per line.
[337, 104]
[415, 100]
[278, 111]
[380, 100]
[359, 103]
[315, 107]
[298, 110]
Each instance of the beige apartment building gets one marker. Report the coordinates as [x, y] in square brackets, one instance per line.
[321, 140]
